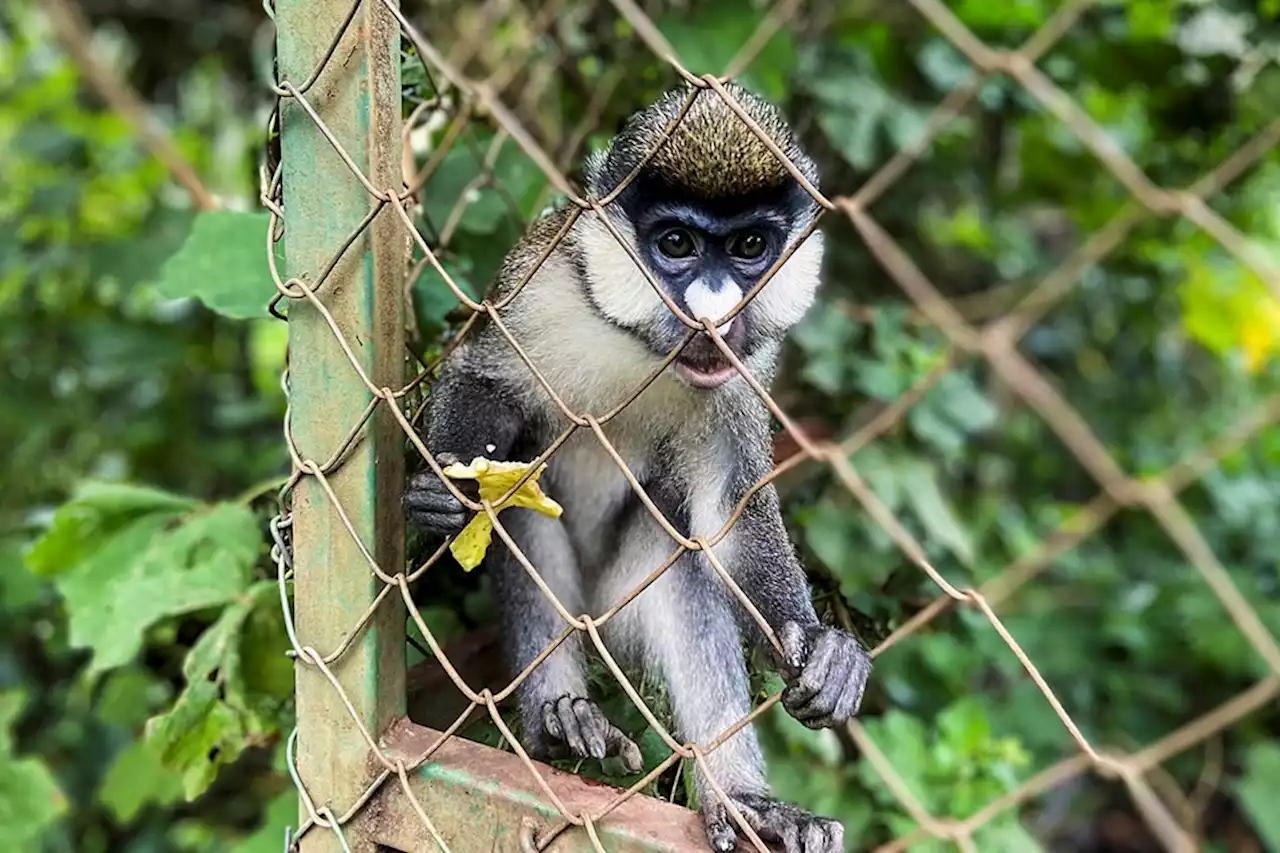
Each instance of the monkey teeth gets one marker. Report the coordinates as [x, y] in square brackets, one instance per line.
[712, 376]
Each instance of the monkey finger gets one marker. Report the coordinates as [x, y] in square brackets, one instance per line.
[444, 524]
[429, 499]
[819, 710]
[814, 674]
[794, 643]
[551, 722]
[851, 697]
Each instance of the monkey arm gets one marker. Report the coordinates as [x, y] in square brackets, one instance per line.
[826, 669]
[765, 565]
[473, 414]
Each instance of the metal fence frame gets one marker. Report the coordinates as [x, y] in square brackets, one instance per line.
[367, 776]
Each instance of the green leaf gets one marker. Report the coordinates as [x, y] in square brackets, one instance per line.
[148, 572]
[1258, 791]
[96, 512]
[1006, 835]
[919, 481]
[19, 587]
[456, 182]
[197, 736]
[140, 259]
[233, 691]
[223, 263]
[30, 799]
[964, 724]
[710, 34]
[136, 779]
[432, 297]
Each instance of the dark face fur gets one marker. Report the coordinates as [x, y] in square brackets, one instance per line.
[709, 214]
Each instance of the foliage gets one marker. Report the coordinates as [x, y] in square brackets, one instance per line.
[144, 695]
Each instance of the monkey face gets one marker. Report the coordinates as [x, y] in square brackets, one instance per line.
[708, 216]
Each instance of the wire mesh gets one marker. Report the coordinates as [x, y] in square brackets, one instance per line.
[995, 342]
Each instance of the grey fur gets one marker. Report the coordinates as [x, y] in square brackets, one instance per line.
[695, 451]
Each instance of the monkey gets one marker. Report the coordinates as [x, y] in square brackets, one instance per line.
[707, 214]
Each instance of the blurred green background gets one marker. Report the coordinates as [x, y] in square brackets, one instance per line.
[144, 694]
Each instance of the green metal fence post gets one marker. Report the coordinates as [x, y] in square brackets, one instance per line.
[357, 96]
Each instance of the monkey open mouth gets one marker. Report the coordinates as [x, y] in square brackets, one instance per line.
[704, 371]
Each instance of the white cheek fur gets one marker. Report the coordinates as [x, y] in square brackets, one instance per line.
[617, 284]
[782, 302]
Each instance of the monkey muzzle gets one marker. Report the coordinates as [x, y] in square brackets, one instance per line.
[701, 364]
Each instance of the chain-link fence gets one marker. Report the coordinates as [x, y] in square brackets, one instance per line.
[342, 200]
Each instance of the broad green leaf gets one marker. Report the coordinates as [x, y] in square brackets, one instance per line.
[141, 259]
[136, 779]
[95, 513]
[456, 190]
[148, 572]
[1017, 13]
[128, 696]
[223, 263]
[19, 587]
[196, 737]
[222, 710]
[964, 723]
[709, 36]
[266, 672]
[433, 299]
[965, 405]
[901, 737]
[30, 799]
[919, 481]
[1258, 791]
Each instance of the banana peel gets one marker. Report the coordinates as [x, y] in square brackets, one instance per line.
[494, 479]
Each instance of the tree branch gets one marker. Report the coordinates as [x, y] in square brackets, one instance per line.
[73, 33]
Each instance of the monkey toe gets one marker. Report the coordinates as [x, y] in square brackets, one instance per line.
[563, 723]
[722, 835]
[587, 732]
[777, 823]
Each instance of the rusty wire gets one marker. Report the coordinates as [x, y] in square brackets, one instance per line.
[995, 343]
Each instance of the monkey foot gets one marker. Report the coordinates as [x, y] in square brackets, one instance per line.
[579, 728]
[776, 822]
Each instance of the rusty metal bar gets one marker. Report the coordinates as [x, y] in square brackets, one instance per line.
[495, 805]
[356, 99]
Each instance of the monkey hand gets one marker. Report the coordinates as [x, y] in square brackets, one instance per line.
[828, 671]
[576, 727]
[776, 822]
[429, 505]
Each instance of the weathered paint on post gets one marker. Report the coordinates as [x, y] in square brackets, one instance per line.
[357, 96]
[480, 798]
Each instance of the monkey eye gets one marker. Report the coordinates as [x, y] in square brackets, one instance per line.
[748, 245]
[676, 243]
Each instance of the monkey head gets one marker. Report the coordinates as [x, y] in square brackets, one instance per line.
[708, 214]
